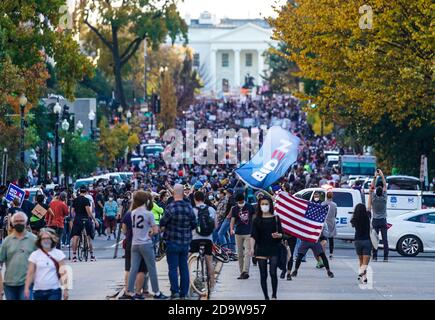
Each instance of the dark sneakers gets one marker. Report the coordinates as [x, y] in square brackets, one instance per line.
[126, 297]
[289, 277]
[160, 296]
[246, 276]
[294, 274]
[330, 274]
[282, 276]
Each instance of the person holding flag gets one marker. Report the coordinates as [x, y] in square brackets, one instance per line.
[304, 220]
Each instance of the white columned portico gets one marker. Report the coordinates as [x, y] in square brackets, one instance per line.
[213, 70]
[260, 67]
[236, 68]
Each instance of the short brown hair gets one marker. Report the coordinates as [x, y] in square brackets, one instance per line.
[141, 198]
[53, 236]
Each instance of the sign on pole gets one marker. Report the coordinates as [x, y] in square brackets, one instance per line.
[15, 192]
[423, 170]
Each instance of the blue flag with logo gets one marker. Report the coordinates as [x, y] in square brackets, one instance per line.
[278, 152]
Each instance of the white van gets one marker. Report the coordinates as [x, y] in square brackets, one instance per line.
[403, 194]
[346, 200]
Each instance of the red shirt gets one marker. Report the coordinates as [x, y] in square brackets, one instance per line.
[60, 211]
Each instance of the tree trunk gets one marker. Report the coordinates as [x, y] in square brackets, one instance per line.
[117, 69]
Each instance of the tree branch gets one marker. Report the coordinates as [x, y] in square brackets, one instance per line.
[104, 40]
[132, 52]
[127, 51]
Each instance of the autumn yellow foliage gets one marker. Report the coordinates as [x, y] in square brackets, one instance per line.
[366, 72]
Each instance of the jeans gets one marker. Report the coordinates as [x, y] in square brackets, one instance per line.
[176, 256]
[145, 252]
[53, 294]
[14, 292]
[223, 233]
[381, 225]
[298, 244]
[243, 248]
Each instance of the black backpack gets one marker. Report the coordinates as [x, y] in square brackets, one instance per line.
[205, 222]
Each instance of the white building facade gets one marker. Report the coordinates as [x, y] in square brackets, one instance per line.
[228, 51]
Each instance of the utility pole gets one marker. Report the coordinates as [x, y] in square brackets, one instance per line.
[145, 71]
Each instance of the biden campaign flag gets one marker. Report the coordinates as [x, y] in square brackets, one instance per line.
[278, 152]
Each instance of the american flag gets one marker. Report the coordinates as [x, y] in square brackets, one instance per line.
[300, 218]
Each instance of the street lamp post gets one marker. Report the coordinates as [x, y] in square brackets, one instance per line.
[23, 102]
[128, 115]
[57, 110]
[65, 127]
[91, 117]
[79, 125]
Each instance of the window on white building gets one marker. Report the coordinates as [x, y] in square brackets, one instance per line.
[225, 60]
[249, 59]
[196, 60]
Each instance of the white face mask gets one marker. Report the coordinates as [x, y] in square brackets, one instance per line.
[110, 199]
[265, 208]
[241, 205]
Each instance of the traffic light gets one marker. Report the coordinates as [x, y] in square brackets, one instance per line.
[155, 103]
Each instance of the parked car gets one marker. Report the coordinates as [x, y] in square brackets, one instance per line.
[412, 233]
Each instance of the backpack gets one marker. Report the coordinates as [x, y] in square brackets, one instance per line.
[205, 222]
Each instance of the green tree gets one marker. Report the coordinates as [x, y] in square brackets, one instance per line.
[119, 28]
[79, 155]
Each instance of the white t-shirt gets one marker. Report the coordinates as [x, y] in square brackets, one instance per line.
[45, 272]
[142, 222]
[195, 235]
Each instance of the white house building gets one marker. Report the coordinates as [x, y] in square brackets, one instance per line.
[228, 50]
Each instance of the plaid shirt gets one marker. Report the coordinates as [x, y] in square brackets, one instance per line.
[179, 221]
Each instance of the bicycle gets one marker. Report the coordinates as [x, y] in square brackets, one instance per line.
[199, 277]
[231, 253]
[83, 245]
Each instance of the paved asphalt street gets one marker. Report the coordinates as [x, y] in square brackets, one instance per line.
[401, 278]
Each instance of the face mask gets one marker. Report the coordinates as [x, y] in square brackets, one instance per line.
[241, 205]
[265, 208]
[19, 227]
[110, 199]
[46, 244]
[316, 199]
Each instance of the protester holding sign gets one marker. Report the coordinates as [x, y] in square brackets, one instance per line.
[37, 221]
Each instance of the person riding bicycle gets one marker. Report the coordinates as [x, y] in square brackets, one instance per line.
[82, 212]
[207, 222]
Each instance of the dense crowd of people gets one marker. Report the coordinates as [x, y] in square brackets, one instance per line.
[187, 205]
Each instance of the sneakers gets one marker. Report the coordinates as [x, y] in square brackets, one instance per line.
[74, 259]
[93, 258]
[319, 265]
[138, 297]
[331, 256]
[245, 276]
[160, 296]
[126, 297]
[282, 276]
[175, 296]
[294, 274]
[330, 274]
[289, 277]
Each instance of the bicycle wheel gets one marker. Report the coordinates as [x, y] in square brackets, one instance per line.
[198, 282]
[217, 265]
[220, 254]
